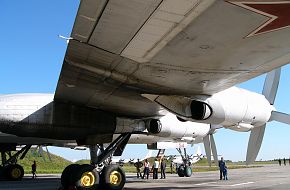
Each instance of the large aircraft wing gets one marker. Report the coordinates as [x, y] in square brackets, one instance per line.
[13, 139]
[121, 49]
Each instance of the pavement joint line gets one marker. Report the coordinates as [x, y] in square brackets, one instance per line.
[239, 184]
[205, 183]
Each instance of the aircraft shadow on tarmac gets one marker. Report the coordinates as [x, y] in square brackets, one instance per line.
[168, 185]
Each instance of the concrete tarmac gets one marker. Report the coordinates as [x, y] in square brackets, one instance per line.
[266, 178]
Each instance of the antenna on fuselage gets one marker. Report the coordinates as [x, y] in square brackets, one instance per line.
[66, 38]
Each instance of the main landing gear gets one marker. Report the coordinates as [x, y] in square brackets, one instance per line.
[184, 170]
[10, 170]
[100, 174]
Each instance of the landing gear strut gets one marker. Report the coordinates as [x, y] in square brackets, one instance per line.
[100, 174]
[184, 170]
[10, 170]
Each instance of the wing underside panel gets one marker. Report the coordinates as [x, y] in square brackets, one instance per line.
[121, 49]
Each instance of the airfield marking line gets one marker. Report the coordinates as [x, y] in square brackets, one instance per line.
[234, 185]
[205, 183]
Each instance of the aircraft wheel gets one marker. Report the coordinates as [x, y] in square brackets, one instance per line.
[113, 178]
[88, 177]
[14, 172]
[67, 175]
[2, 174]
[187, 171]
[180, 171]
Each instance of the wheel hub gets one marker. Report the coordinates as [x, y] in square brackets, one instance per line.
[88, 179]
[15, 173]
[115, 178]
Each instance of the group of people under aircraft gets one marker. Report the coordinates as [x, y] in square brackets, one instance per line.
[161, 163]
[284, 161]
[158, 163]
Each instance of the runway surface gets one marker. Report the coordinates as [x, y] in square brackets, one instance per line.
[268, 177]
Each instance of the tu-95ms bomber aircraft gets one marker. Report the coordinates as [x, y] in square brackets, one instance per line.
[135, 60]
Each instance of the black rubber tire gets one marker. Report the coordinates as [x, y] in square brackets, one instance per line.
[2, 173]
[83, 169]
[67, 178]
[187, 171]
[105, 178]
[14, 172]
[180, 171]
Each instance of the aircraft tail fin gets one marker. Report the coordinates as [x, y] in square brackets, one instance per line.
[149, 154]
[198, 151]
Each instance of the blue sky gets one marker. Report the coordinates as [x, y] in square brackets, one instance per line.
[32, 55]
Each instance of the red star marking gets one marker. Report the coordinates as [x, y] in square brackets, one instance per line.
[278, 13]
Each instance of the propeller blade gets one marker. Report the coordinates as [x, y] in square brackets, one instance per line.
[281, 117]
[257, 133]
[207, 148]
[214, 150]
[198, 151]
[254, 144]
[271, 85]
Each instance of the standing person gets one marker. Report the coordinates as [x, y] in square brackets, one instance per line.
[171, 166]
[33, 169]
[163, 168]
[155, 169]
[225, 173]
[222, 165]
[146, 168]
[138, 166]
[284, 161]
[279, 161]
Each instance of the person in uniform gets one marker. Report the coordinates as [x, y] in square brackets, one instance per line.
[222, 165]
[138, 166]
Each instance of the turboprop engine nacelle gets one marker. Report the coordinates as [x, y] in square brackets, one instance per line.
[167, 126]
[170, 126]
[235, 108]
